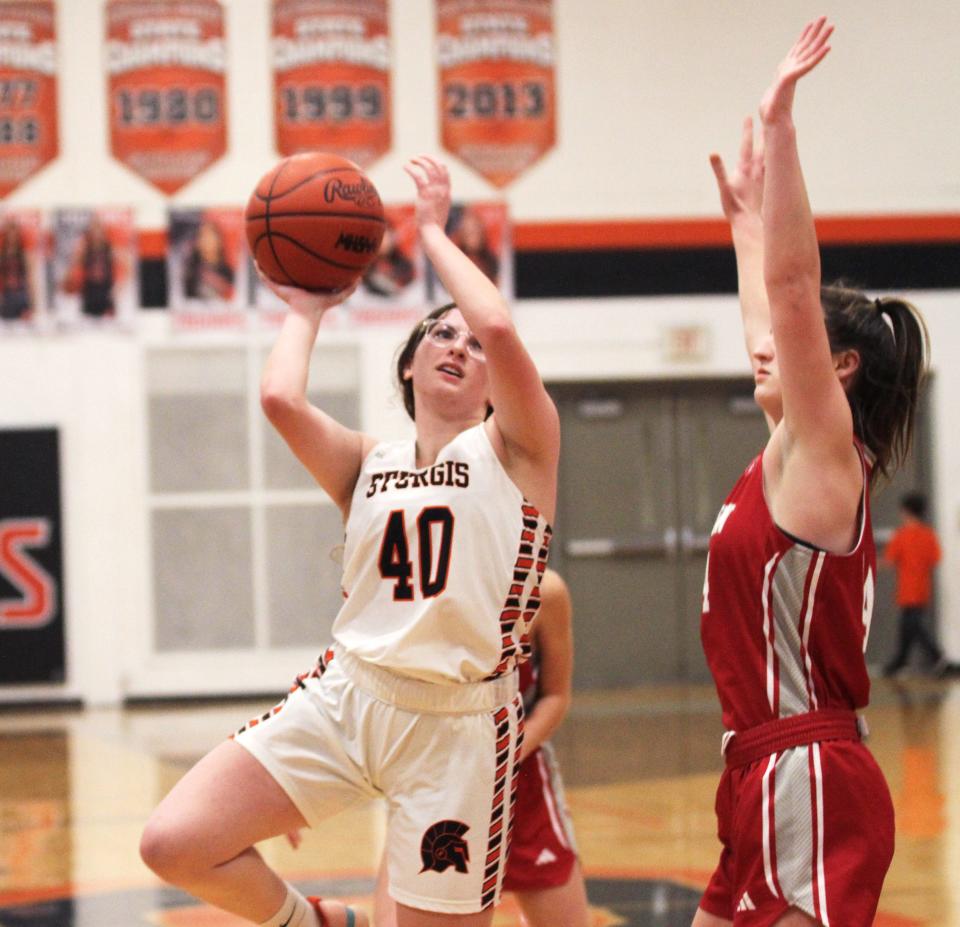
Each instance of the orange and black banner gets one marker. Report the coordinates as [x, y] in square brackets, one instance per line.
[167, 90]
[28, 90]
[497, 84]
[331, 77]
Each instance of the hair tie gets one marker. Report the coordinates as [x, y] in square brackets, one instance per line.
[889, 323]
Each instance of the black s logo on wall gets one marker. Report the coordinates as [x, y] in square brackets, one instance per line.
[31, 568]
[36, 603]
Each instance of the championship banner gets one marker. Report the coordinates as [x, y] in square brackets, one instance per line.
[205, 268]
[497, 86]
[167, 91]
[23, 283]
[28, 90]
[331, 77]
[94, 268]
[31, 558]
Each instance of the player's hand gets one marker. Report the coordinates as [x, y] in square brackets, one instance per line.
[809, 50]
[433, 190]
[306, 302]
[294, 838]
[741, 192]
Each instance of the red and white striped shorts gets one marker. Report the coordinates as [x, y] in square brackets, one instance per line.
[543, 851]
[808, 826]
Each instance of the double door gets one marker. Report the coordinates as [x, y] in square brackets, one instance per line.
[644, 470]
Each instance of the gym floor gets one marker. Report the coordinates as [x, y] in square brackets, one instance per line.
[640, 768]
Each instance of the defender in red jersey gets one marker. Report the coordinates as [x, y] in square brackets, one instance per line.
[804, 814]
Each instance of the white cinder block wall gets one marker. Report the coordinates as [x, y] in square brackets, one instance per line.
[646, 91]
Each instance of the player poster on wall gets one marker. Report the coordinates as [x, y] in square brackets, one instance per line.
[394, 287]
[393, 290]
[28, 90]
[167, 96]
[331, 77]
[482, 231]
[497, 85]
[205, 262]
[23, 282]
[94, 268]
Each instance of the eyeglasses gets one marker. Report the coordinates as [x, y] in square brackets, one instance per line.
[444, 335]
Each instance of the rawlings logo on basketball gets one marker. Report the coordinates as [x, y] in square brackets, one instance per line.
[358, 244]
[344, 222]
[443, 846]
[363, 193]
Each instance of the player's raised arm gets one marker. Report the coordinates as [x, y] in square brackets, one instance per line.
[331, 452]
[741, 198]
[815, 408]
[525, 415]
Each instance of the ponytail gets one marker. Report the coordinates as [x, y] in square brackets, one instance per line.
[891, 339]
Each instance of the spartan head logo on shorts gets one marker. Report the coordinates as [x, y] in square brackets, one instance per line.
[443, 846]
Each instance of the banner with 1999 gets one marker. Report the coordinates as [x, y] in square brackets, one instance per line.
[331, 75]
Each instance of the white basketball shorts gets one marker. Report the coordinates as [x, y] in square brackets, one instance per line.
[445, 757]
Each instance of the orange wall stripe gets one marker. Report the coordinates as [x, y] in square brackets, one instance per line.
[630, 234]
[152, 243]
[626, 234]
[907, 228]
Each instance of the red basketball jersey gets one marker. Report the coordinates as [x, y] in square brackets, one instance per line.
[784, 625]
[529, 682]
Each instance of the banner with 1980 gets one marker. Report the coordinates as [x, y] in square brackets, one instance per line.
[166, 64]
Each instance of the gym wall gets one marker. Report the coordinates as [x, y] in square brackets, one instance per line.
[646, 91]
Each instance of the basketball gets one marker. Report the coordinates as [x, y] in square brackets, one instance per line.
[314, 221]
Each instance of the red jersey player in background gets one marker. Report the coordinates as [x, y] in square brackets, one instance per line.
[543, 870]
[913, 552]
[804, 813]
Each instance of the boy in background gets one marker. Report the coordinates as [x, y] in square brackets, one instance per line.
[913, 552]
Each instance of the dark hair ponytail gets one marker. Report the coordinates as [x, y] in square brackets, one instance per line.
[891, 338]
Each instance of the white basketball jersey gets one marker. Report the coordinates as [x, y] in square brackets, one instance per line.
[442, 565]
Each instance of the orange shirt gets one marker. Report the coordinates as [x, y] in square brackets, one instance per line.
[914, 551]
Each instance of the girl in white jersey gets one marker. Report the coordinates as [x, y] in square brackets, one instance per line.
[543, 869]
[446, 542]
